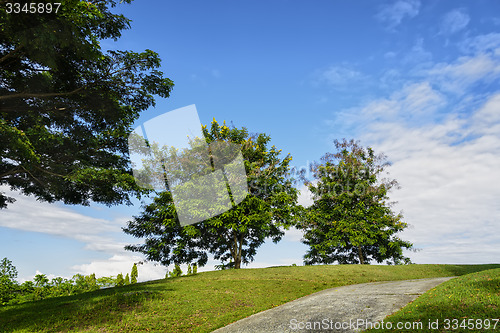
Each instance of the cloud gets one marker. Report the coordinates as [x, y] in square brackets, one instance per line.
[466, 71]
[293, 235]
[340, 76]
[394, 14]
[97, 234]
[454, 21]
[487, 43]
[305, 196]
[418, 55]
[121, 264]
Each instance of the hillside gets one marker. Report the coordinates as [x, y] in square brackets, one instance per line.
[202, 302]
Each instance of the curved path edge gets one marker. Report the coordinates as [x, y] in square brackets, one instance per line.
[347, 306]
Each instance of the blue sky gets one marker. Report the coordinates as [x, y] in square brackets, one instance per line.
[416, 80]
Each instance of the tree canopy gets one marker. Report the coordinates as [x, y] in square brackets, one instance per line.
[67, 107]
[351, 220]
[233, 236]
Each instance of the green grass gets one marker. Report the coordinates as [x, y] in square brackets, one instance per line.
[203, 302]
[460, 305]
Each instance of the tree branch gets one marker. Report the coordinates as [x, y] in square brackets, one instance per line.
[44, 95]
[11, 53]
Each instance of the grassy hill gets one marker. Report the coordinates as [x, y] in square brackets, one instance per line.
[202, 302]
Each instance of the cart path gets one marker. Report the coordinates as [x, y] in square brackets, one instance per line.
[330, 308]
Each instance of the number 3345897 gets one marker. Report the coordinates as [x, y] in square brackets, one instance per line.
[32, 8]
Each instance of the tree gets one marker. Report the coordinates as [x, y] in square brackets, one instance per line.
[8, 283]
[351, 220]
[236, 234]
[67, 107]
[134, 274]
[177, 271]
[120, 281]
[127, 280]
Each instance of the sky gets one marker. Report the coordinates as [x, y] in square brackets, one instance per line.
[416, 80]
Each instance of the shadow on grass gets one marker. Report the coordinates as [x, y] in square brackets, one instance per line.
[467, 269]
[80, 312]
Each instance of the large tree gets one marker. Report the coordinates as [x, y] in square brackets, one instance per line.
[351, 220]
[233, 236]
[66, 106]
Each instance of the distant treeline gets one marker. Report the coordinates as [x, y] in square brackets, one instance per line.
[12, 292]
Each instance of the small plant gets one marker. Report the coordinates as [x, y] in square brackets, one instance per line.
[177, 271]
[195, 269]
[134, 274]
[127, 280]
[119, 280]
[189, 271]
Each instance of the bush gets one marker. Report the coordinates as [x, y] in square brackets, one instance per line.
[120, 281]
[177, 271]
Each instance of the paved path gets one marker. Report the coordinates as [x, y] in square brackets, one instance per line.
[347, 306]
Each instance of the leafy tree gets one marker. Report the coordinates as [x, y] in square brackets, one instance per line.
[190, 270]
[119, 280]
[134, 274]
[195, 269]
[105, 282]
[41, 280]
[127, 280]
[351, 220]
[67, 107]
[236, 234]
[8, 283]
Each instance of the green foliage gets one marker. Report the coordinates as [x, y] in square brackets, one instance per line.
[8, 283]
[235, 234]
[350, 220]
[195, 269]
[127, 280]
[120, 281]
[177, 271]
[41, 288]
[67, 107]
[106, 282]
[134, 274]
[189, 270]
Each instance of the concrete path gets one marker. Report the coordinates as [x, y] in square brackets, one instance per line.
[343, 309]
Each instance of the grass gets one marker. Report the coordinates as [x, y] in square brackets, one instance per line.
[202, 302]
[462, 304]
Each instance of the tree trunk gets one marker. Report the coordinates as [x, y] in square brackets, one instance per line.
[360, 255]
[238, 246]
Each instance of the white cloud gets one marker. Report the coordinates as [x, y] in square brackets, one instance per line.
[29, 214]
[418, 55]
[481, 44]
[96, 233]
[454, 21]
[340, 76]
[293, 235]
[121, 264]
[394, 14]
[414, 103]
[305, 196]
[458, 76]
